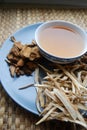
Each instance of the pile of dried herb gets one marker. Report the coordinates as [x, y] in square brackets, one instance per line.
[22, 58]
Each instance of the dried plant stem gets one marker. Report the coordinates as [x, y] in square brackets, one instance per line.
[26, 86]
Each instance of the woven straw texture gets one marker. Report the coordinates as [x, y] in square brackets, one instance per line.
[12, 116]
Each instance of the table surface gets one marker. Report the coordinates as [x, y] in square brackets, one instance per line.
[12, 116]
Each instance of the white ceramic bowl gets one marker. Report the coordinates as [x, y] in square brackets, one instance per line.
[52, 57]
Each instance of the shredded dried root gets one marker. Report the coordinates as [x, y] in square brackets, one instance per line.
[65, 93]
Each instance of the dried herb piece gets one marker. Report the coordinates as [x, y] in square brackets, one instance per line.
[22, 58]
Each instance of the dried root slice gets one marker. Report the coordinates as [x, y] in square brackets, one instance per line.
[36, 80]
[38, 104]
[12, 70]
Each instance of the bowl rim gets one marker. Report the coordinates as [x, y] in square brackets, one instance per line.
[70, 24]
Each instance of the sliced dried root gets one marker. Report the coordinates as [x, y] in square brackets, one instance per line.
[64, 94]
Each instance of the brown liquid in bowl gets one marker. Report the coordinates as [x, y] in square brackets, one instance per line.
[61, 41]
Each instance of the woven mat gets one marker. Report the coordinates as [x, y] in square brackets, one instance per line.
[12, 116]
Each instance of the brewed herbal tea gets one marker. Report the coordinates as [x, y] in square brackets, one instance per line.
[61, 41]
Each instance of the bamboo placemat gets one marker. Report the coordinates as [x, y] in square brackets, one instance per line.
[12, 116]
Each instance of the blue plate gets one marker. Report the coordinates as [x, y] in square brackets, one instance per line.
[26, 97]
